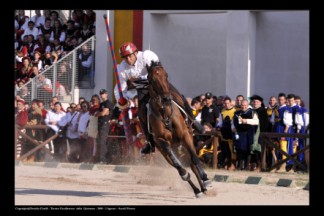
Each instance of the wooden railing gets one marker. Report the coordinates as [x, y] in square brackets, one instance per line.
[38, 144]
[267, 141]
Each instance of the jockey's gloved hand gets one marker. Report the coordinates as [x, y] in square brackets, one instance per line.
[123, 103]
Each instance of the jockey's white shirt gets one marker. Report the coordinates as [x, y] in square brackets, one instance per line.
[138, 70]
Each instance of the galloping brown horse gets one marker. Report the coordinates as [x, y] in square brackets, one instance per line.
[168, 124]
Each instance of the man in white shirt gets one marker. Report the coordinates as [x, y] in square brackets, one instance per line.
[56, 119]
[31, 30]
[38, 19]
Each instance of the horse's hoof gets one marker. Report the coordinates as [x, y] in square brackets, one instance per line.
[200, 194]
[207, 182]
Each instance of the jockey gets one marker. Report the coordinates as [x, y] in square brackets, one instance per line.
[133, 68]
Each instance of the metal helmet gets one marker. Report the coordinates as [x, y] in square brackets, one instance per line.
[127, 49]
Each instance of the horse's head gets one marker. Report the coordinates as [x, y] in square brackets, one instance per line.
[158, 81]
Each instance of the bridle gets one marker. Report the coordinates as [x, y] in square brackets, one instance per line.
[162, 101]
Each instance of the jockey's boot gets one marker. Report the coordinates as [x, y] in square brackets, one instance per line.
[150, 146]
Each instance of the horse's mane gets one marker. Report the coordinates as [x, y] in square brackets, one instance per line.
[153, 64]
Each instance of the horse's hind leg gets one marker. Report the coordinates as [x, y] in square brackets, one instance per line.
[169, 155]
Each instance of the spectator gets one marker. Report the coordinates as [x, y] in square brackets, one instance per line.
[35, 71]
[196, 109]
[92, 129]
[292, 143]
[47, 14]
[44, 86]
[72, 30]
[258, 107]
[80, 18]
[244, 133]
[209, 112]
[37, 61]
[46, 30]
[26, 70]
[31, 45]
[19, 84]
[48, 61]
[42, 45]
[239, 99]
[43, 82]
[83, 120]
[81, 99]
[21, 120]
[58, 32]
[22, 22]
[104, 115]
[60, 89]
[42, 107]
[302, 122]
[55, 120]
[57, 47]
[85, 33]
[54, 57]
[72, 135]
[34, 118]
[70, 44]
[206, 153]
[38, 19]
[92, 17]
[23, 46]
[64, 76]
[86, 61]
[227, 147]
[55, 17]
[21, 115]
[220, 104]
[31, 30]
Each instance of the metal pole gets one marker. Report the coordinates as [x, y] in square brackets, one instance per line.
[92, 65]
[73, 73]
[54, 80]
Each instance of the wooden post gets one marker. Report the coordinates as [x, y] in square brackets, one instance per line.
[215, 147]
[263, 154]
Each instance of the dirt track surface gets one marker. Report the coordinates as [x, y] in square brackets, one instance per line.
[148, 185]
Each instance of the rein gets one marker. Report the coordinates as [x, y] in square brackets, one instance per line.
[163, 104]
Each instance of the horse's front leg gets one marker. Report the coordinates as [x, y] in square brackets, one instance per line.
[166, 151]
[195, 164]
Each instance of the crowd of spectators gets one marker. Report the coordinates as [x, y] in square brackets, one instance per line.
[239, 121]
[82, 128]
[43, 39]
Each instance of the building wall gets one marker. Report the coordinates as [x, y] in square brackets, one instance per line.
[192, 48]
[237, 52]
[282, 54]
